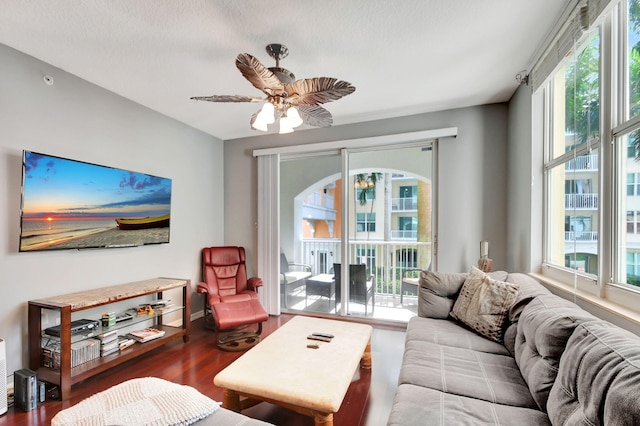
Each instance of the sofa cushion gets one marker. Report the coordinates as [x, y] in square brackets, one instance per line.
[484, 303]
[450, 333]
[598, 379]
[528, 288]
[415, 405]
[490, 377]
[543, 331]
[439, 291]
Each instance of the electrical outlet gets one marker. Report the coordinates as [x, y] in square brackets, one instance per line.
[45, 318]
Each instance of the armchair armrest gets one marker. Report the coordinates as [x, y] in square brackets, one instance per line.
[202, 288]
[211, 291]
[254, 282]
[305, 268]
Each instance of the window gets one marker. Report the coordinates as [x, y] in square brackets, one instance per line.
[572, 159]
[365, 194]
[408, 223]
[628, 236]
[589, 143]
[633, 184]
[368, 257]
[365, 222]
[633, 218]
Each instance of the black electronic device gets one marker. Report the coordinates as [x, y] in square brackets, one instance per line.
[327, 335]
[313, 346]
[320, 338]
[77, 327]
[123, 317]
[26, 389]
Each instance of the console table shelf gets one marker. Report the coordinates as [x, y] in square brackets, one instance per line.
[79, 301]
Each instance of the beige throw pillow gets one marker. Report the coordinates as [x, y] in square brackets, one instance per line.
[484, 303]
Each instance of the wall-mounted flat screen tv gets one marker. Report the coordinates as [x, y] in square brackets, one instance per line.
[70, 204]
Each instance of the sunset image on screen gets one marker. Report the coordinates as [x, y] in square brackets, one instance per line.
[73, 204]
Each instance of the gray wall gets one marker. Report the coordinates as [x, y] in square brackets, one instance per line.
[472, 180]
[79, 120]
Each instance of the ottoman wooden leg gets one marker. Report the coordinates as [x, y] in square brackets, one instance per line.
[322, 419]
[365, 362]
[231, 400]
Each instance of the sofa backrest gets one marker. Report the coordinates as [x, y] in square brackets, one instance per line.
[544, 328]
[438, 292]
[598, 380]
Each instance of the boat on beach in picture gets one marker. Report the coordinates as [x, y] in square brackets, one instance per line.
[143, 223]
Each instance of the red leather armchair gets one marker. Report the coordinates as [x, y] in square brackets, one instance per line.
[231, 300]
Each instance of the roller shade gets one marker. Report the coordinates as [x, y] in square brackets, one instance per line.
[581, 18]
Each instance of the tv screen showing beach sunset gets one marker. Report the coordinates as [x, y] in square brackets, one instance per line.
[69, 204]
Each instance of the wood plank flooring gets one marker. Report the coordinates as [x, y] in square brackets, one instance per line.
[367, 403]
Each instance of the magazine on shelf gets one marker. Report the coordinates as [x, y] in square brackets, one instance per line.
[146, 334]
[124, 342]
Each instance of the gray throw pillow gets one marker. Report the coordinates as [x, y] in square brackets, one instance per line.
[438, 292]
[484, 303]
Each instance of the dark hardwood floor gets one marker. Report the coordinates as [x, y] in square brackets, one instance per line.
[367, 402]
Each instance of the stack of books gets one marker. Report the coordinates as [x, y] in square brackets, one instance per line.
[146, 334]
[81, 351]
[109, 342]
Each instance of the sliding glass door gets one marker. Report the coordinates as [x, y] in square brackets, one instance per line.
[356, 227]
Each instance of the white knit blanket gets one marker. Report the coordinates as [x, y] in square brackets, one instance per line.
[144, 401]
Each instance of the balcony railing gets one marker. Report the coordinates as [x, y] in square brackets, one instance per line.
[404, 204]
[320, 199]
[386, 259]
[580, 236]
[398, 234]
[583, 163]
[581, 201]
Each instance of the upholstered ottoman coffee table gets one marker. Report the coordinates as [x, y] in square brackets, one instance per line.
[282, 370]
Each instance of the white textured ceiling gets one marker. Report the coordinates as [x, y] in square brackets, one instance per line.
[403, 57]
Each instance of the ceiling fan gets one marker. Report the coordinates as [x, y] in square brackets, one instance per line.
[291, 102]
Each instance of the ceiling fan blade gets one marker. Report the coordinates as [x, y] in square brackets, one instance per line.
[315, 115]
[260, 76]
[314, 91]
[228, 98]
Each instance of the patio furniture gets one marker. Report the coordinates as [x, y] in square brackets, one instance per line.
[231, 299]
[322, 285]
[410, 282]
[292, 276]
[362, 288]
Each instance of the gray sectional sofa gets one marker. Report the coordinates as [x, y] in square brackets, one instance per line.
[545, 360]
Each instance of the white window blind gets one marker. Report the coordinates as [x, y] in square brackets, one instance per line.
[585, 13]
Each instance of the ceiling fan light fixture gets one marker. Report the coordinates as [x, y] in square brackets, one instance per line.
[293, 117]
[285, 126]
[260, 125]
[265, 116]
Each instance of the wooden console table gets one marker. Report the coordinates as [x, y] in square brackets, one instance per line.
[75, 302]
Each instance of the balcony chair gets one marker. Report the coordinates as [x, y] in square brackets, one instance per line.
[292, 276]
[231, 300]
[361, 288]
[410, 282]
